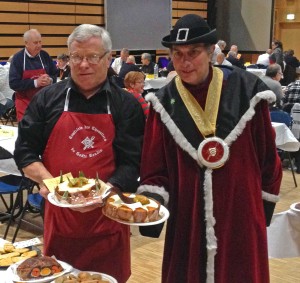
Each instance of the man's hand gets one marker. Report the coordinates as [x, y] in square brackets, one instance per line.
[37, 172]
[43, 80]
[44, 191]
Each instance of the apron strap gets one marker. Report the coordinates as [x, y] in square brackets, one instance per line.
[66, 107]
[24, 59]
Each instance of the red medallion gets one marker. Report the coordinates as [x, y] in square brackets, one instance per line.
[213, 152]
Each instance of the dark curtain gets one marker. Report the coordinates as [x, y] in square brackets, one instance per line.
[212, 13]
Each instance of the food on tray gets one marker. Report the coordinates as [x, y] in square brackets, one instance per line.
[38, 267]
[9, 254]
[144, 209]
[79, 190]
[82, 277]
[8, 247]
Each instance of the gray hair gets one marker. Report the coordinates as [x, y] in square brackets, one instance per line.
[125, 50]
[147, 56]
[86, 31]
[130, 59]
[273, 70]
[222, 44]
[232, 53]
[27, 34]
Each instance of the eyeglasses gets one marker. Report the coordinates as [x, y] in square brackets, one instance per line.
[90, 58]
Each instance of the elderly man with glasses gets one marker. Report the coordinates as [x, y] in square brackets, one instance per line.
[51, 139]
[272, 80]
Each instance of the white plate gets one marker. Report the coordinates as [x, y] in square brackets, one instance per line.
[12, 275]
[53, 199]
[107, 277]
[163, 213]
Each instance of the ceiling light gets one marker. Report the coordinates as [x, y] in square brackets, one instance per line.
[290, 16]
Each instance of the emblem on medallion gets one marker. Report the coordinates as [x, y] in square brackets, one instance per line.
[213, 152]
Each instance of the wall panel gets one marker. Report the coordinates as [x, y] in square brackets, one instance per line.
[14, 6]
[56, 19]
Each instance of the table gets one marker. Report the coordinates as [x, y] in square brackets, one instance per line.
[285, 140]
[155, 83]
[257, 72]
[9, 166]
[284, 234]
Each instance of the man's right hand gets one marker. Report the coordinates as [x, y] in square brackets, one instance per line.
[44, 191]
[37, 172]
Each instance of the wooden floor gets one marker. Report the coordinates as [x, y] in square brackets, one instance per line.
[147, 252]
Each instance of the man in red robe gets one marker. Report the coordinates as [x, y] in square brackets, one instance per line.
[209, 151]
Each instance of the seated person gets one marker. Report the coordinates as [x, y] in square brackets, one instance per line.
[239, 56]
[6, 92]
[221, 60]
[147, 64]
[271, 79]
[291, 96]
[118, 62]
[232, 58]
[290, 59]
[219, 47]
[63, 68]
[263, 59]
[134, 83]
[128, 66]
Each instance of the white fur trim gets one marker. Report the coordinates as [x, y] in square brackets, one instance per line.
[211, 240]
[238, 129]
[171, 126]
[156, 190]
[270, 197]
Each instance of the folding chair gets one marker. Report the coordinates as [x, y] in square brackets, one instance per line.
[33, 205]
[20, 208]
[9, 116]
[12, 185]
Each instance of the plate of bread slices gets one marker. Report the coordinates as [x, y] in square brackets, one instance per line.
[10, 254]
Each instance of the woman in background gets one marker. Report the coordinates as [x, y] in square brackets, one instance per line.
[277, 52]
[63, 68]
[134, 83]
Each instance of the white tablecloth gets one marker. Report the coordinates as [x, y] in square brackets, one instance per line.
[8, 166]
[284, 233]
[285, 139]
[155, 83]
[258, 72]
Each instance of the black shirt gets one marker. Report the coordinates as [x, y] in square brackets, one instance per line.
[48, 105]
[148, 69]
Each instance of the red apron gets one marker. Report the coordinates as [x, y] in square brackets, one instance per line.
[24, 97]
[87, 241]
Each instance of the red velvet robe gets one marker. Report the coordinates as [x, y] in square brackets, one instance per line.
[253, 172]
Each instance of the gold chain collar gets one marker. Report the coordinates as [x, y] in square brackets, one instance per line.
[205, 120]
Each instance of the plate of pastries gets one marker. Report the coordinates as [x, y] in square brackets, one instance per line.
[144, 211]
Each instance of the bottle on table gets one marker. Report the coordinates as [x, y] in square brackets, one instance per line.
[155, 71]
